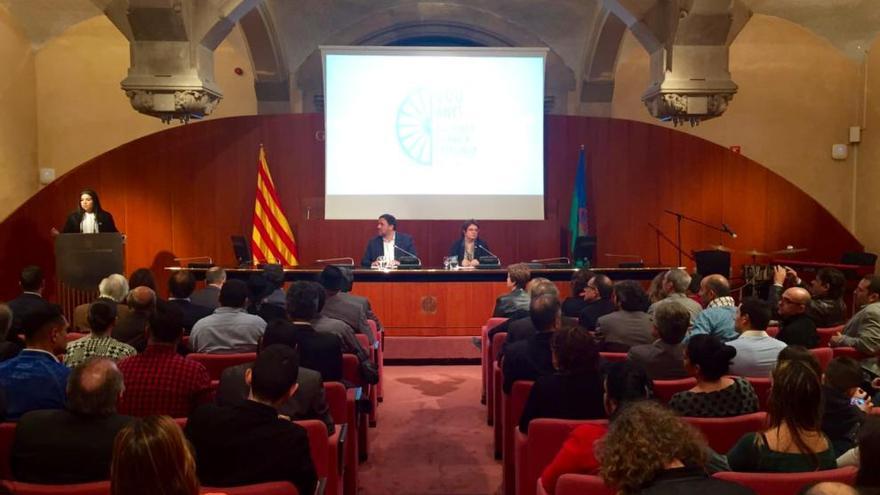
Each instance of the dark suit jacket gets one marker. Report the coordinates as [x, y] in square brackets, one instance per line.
[572, 306]
[517, 330]
[21, 307]
[59, 447]
[621, 330]
[249, 444]
[661, 360]
[191, 312]
[481, 248]
[130, 330]
[375, 248]
[351, 312]
[307, 403]
[104, 219]
[799, 330]
[318, 351]
[593, 311]
[528, 359]
[564, 396]
[208, 297]
[508, 304]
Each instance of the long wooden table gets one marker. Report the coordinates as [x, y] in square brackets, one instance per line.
[436, 302]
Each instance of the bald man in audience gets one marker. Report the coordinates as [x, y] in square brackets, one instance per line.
[795, 325]
[131, 328]
[863, 329]
[719, 317]
[831, 488]
[72, 445]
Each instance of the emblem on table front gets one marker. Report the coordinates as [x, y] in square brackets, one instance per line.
[429, 304]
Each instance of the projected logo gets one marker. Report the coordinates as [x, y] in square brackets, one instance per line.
[415, 127]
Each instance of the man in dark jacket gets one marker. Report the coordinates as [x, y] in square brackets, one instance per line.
[841, 418]
[796, 327]
[597, 294]
[528, 359]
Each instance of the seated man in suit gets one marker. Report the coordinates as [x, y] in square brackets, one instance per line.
[308, 402]
[249, 443]
[826, 306]
[674, 286]
[341, 307]
[863, 329]
[531, 358]
[35, 379]
[209, 296]
[516, 302]
[575, 303]
[112, 289]
[597, 295]
[389, 243]
[318, 351]
[523, 328]
[131, 327]
[664, 359]
[30, 299]
[628, 326]
[796, 326]
[718, 317]
[180, 287]
[72, 445]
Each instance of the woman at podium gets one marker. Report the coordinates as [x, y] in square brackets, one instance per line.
[89, 218]
[470, 247]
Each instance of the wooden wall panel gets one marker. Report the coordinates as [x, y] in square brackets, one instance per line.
[184, 191]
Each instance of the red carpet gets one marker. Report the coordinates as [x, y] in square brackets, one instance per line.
[432, 436]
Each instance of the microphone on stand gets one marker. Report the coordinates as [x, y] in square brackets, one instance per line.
[334, 260]
[726, 228]
[484, 248]
[408, 253]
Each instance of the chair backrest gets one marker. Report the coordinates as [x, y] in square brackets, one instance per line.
[580, 484]
[545, 439]
[93, 488]
[374, 327]
[788, 483]
[773, 331]
[826, 333]
[723, 433]
[7, 435]
[335, 395]
[216, 363]
[613, 357]
[363, 340]
[762, 389]
[271, 488]
[497, 344]
[849, 352]
[71, 336]
[318, 445]
[519, 394]
[351, 369]
[665, 389]
[824, 355]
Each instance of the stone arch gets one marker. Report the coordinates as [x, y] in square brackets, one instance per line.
[596, 84]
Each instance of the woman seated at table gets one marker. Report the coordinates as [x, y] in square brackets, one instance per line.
[470, 247]
[715, 395]
[794, 442]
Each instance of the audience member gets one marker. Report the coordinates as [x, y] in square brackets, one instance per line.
[151, 456]
[131, 328]
[8, 348]
[101, 319]
[674, 287]
[715, 395]
[863, 329]
[531, 358]
[629, 325]
[142, 277]
[332, 326]
[664, 359]
[523, 328]
[159, 381]
[30, 300]
[113, 290]
[337, 306]
[309, 401]
[655, 289]
[317, 351]
[597, 295]
[826, 306]
[249, 443]
[345, 292]
[274, 275]
[845, 404]
[209, 296]
[794, 441]
[72, 445]
[649, 450]
[717, 319]
[180, 287]
[575, 390]
[230, 329]
[831, 488]
[795, 327]
[517, 300]
[756, 351]
[625, 382]
[35, 379]
[866, 456]
[575, 303]
[799, 353]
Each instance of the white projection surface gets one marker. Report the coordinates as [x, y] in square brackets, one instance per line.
[434, 133]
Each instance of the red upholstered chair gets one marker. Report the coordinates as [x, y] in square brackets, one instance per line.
[493, 406]
[7, 435]
[271, 488]
[325, 453]
[773, 331]
[825, 334]
[613, 357]
[581, 484]
[94, 488]
[723, 433]
[849, 352]
[787, 483]
[535, 451]
[824, 355]
[71, 336]
[379, 354]
[513, 406]
[337, 399]
[762, 389]
[181, 422]
[351, 373]
[373, 389]
[216, 363]
[665, 389]
[485, 359]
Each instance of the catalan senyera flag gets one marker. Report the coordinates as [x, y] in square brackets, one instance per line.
[272, 240]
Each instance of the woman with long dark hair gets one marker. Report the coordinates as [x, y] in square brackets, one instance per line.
[89, 217]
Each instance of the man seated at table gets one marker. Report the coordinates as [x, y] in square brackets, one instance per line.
[390, 243]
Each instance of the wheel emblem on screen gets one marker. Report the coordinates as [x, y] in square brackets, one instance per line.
[414, 126]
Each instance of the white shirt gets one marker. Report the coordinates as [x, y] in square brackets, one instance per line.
[389, 248]
[89, 224]
[756, 353]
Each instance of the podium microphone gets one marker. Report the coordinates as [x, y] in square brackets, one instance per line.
[726, 228]
[484, 248]
[408, 253]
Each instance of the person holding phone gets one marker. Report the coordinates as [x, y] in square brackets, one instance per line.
[846, 404]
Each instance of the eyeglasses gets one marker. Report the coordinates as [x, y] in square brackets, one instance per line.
[789, 301]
